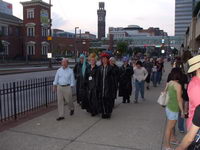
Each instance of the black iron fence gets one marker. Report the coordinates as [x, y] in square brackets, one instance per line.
[19, 98]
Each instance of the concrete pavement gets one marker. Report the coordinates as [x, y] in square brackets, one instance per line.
[132, 127]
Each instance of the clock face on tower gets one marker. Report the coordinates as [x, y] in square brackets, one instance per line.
[100, 18]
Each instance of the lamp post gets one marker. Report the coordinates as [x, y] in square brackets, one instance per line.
[50, 38]
[75, 44]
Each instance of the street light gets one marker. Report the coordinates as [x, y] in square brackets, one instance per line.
[75, 44]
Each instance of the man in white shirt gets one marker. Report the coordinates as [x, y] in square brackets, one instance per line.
[63, 83]
[140, 75]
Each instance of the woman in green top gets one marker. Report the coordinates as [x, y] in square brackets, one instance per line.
[175, 104]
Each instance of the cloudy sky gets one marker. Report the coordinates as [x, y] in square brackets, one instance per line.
[83, 13]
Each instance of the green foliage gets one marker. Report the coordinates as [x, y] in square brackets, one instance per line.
[95, 50]
[122, 47]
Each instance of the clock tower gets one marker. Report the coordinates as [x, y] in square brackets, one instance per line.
[101, 12]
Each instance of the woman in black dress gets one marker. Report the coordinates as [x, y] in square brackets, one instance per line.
[91, 82]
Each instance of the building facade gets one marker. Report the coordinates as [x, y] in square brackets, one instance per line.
[134, 31]
[37, 24]
[192, 37]
[86, 35]
[6, 7]
[101, 12]
[11, 36]
[183, 15]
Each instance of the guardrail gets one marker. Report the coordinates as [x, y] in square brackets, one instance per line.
[19, 98]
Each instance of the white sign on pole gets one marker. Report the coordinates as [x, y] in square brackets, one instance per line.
[49, 55]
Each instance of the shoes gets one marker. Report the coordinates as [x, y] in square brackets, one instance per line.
[60, 118]
[124, 102]
[128, 101]
[136, 102]
[71, 112]
[147, 88]
[106, 116]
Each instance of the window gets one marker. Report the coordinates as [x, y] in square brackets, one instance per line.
[30, 49]
[4, 30]
[45, 49]
[30, 13]
[44, 31]
[5, 48]
[30, 31]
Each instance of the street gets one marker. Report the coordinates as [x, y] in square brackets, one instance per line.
[132, 127]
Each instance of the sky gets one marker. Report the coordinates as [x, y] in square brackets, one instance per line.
[68, 14]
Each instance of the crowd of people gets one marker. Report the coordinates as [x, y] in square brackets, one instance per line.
[98, 86]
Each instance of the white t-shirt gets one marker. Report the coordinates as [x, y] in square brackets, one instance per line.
[140, 74]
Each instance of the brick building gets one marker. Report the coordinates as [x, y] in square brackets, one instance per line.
[11, 36]
[27, 38]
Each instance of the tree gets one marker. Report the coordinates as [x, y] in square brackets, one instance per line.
[122, 47]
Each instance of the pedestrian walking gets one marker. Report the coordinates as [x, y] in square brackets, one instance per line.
[79, 72]
[154, 73]
[193, 88]
[116, 78]
[148, 66]
[175, 104]
[160, 69]
[63, 83]
[92, 86]
[106, 86]
[140, 75]
[125, 81]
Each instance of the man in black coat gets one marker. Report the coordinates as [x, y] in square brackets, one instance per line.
[106, 86]
[125, 81]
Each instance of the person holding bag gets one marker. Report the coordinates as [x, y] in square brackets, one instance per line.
[174, 105]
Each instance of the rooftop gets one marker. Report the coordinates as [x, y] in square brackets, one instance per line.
[10, 18]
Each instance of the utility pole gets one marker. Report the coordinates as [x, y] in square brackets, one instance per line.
[75, 44]
[50, 36]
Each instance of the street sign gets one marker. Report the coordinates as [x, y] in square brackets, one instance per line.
[49, 55]
[49, 38]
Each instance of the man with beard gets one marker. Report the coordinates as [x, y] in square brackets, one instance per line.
[125, 84]
[105, 86]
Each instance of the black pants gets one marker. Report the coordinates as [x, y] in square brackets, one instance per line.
[126, 98]
[107, 106]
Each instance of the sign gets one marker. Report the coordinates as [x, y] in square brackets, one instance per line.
[49, 55]
[6, 8]
[44, 16]
[49, 38]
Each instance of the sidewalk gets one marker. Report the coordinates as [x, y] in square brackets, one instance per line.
[132, 127]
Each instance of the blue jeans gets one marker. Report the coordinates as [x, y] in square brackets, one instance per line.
[154, 78]
[180, 123]
[159, 77]
[139, 88]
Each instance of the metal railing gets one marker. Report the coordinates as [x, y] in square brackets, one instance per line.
[19, 98]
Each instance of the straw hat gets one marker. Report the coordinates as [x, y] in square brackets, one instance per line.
[194, 64]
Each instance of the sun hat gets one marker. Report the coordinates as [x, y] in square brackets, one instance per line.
[194, 64]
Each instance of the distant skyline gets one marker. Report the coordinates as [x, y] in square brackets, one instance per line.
[67, 14]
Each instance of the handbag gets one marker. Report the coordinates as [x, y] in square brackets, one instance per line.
[195, 145]
[164, 97]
